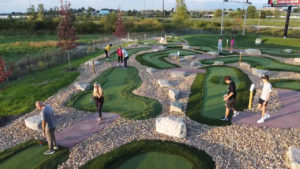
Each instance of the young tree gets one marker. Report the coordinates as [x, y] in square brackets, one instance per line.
[180, 17]
[218, 13]
[66, 33]
[4, 72]
[120, 28]
[41, 11]
[251, 12]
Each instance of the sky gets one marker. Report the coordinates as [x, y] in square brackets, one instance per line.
[22, 5]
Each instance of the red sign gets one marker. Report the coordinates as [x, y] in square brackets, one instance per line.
[284, 2]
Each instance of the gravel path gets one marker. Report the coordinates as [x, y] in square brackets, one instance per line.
[230, 146]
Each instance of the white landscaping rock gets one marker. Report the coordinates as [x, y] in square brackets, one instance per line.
[258, 41]
[176, 74]
[171, 126]
[260, 72]
[288, 51]
[253, 52]
[82, 86]
[174, 94]
[160, 48]
[215, 54]
[151, 70]
[293, 155]
[164, 83]
[34, 122]
[187, 47]
[218, 63]
[176, 107]
[245, 65]
[297, 60]
[196, 65]
[173, 56]
[90, 63]
[190, 57]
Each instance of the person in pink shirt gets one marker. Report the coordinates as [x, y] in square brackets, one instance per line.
[231, 44]
[120, 55]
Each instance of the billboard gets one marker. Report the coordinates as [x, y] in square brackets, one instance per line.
[284, 3]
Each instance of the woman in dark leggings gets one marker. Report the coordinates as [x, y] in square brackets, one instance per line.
[99, 99]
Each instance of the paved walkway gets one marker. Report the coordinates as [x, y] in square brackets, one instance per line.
[287, 117]
[83, 129]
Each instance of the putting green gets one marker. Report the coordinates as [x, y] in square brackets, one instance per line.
[279, 53]
[30, 156]
[157, 59]
[258, 62]
[152, 154]
[156, 160]
[206, 104]
[286, 84]
[118, 85]
[114, 56]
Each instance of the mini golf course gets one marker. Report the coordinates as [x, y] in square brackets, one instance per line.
[258, 62]
[29, 155]
[206, 104]
[286, 84]
[118, 85]
[114, 56]
[280, 53]
[157, 59]
[153, 154]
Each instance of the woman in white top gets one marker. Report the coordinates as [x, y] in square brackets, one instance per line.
[99, 99]
[264, 98]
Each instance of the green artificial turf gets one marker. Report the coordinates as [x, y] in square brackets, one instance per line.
[156, 160]
[29, 155]
[286, 84]
[156, 154]
[157, 59]
[21, 95]
[114, 56]
[258, 62]
[206, 104]
[209, 42]
[118, 85]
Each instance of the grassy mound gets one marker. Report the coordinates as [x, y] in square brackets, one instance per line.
[118, 85]
[29, 155]
[157, 59]
[258, 62]
[151, 154]
[286, 84]
[206, 103]
[114, 56]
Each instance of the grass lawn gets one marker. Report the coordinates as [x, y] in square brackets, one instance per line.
[29, 155]
[20, 96]
[152, 154]
[209, 42]
[206, 104]
[157, 59]
[286, 84]
[114, 56]
[258, 62]
[118, 85]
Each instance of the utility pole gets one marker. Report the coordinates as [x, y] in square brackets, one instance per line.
[287, 22]
[163, 13]
[245, 16]
[258, 22]
[222, 22]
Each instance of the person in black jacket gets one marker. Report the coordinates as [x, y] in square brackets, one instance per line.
[99, 99]
[230, 97]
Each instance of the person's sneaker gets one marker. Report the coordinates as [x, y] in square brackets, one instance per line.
[261, 120]
[118, 64]
[55, 148]
[49, 152]
[267, 116]
[99, 121]
[235, 113]
[224, 119]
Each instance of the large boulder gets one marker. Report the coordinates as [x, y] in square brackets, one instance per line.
[293, 155]
[176, 74]
[288, 51]
[34, 122]
[186, 47]
[190, 57]
[258, 41]
[260, 72]
[215, 54]
[160, 48]
[195, 64]
[171, 126]
[174, 94]
[173, 56]
[245, 65]
[253, 52]
[82, 86]
[164, 83]
[297, 60]
[90, 63]
[151, 70]
[176, 107]
[218, 63]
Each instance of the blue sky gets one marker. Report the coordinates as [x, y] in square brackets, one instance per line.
[22, 5]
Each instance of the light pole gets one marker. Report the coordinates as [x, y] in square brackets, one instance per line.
[222, 22]
[258, 22]
[245, 16]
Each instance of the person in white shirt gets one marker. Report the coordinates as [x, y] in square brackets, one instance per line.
[264, 98]
[125, 55]
[220, 45]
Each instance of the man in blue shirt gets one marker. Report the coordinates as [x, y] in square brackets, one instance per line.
[48, 126]
[125, 55]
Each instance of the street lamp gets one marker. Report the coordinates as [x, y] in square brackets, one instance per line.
[245, 16]
[222, 22]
